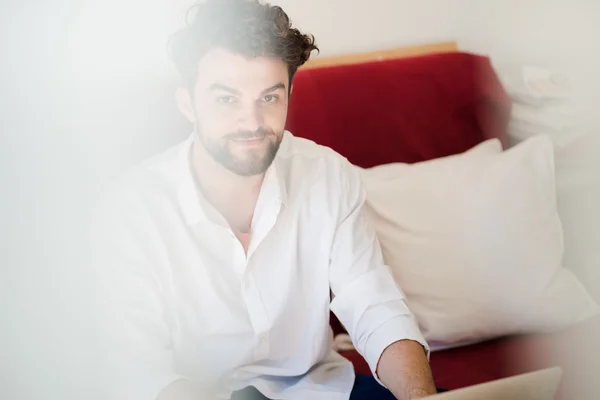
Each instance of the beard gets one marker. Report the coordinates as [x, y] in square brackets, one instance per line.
[251, 161]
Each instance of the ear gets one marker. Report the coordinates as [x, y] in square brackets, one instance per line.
[185, 104]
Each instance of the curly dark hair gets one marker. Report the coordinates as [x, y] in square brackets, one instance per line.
[246, 27]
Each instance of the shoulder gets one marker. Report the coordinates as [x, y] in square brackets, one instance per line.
[318, 176]
[310, 159]
[151, 181]
[155, 174]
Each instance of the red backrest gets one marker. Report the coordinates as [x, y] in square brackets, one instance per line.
[404, 110]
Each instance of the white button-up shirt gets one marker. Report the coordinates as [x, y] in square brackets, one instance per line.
[185, 301]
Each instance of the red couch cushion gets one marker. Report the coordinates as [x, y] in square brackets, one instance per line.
[404, 110]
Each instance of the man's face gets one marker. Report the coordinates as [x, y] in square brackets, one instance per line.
[239, 109]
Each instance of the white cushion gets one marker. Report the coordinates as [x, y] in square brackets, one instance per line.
[476, 243]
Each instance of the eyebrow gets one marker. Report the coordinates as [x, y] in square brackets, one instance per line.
[279, 85]
[219, 86]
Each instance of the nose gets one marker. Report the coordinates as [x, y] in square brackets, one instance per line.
[251, 119]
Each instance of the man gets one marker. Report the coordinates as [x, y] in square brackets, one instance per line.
[222, 256]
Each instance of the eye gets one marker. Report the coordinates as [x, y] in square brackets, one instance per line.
[226, 99]
[270, 98]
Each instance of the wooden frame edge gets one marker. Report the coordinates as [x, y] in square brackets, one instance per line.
[402, 52]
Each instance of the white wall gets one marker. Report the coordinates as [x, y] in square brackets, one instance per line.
[550, 32]
[532, 31]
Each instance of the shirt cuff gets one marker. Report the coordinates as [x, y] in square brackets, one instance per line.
[402, 327]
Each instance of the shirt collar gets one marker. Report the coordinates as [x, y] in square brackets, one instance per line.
[196, 208]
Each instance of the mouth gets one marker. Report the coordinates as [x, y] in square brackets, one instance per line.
[250, 141]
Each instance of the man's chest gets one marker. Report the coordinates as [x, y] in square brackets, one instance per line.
[225, 305]
[212, 286]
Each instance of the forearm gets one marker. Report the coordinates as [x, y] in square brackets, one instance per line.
[404, 369]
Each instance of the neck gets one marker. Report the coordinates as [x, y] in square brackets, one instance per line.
[234, 196]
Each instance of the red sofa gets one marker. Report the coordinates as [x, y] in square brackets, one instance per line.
[415, 109]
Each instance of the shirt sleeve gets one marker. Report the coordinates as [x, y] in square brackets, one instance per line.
[367, 300]
[132, 341]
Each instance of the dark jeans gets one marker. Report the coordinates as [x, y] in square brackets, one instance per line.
[365, 388]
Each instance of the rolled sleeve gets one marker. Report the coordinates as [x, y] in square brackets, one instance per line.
[402, 327]
[376, 315]
[367, 300]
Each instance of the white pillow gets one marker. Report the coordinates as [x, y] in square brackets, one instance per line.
[476, 244]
